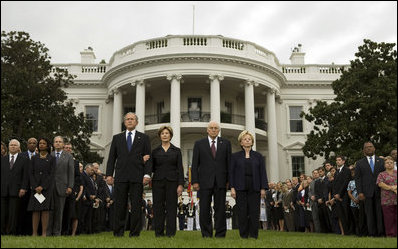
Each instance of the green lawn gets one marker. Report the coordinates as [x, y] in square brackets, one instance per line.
[194, 239]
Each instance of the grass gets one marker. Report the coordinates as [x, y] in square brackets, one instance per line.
[193, 239]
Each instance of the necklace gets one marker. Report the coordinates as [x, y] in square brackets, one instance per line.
[43, 156]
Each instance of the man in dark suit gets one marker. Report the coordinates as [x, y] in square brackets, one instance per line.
[132, 171]
[321, 196]
[89, 198]
[64, 180]
[25, 221]
[366, 171]
[339, 192]
[210, 164]
[14, 183]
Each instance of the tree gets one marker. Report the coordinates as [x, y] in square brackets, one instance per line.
[364, 109]
[33, 103]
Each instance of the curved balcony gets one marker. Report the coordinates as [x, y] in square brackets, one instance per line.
[203, 117]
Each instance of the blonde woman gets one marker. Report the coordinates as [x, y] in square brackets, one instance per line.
[248, 181]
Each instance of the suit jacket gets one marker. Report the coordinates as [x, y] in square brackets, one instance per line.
[207, 170]
[64, 173]
[129, 166]
[41, 173]
[321, 189]
[341, 181]
[12, 180]
[237, 171]
[167, 166]
[365, 179]
[88, 188]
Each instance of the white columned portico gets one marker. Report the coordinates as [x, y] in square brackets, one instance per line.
[117, 111]
[140, 104]
[215, 99]
[175, 107]
[272, 138]
[249, 110]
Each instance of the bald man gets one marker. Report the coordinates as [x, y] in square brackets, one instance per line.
[210, 163]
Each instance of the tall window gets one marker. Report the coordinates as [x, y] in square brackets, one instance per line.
[159, 111]
[228, 106]
[298, 166]
[296, 122]
[259, 113]
[194, 108]
[92, 116]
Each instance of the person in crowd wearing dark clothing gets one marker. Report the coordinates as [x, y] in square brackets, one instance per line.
[366, 172]
[210, 164]
[3, 149]
[89, 199]
[110, 208]
[73, 201]
[126, 161]
[248, 181]
[14, 183]
[354, 202]
[167, 183]
[341, 179]
[321, 196]
[42, 177]
[25, 221]
[181, 215]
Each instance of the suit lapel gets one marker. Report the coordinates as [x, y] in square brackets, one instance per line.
[219, 144]
[137, 140]
[123, 139]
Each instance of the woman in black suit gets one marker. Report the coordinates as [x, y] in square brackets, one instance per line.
[167, 182]
[248, 181]
[41, 173]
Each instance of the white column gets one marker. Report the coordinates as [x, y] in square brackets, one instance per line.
[117, 111]
[175, 108]
[249, 110]
[272, 138]
[140, 104]
[215, 99]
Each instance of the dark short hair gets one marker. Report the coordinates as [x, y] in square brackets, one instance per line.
[342, 157]
[165, 127]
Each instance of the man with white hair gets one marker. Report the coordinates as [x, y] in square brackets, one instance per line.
[210, 164]
[14, 183]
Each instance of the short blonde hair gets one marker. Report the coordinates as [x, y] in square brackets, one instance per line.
[166, 127]
[244, 133]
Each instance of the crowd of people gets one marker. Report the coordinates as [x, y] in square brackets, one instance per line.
[46, 191]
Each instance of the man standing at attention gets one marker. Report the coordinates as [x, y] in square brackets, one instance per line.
[126, 160]
[210, 163]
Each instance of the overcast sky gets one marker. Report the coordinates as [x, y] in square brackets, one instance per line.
[328, 31]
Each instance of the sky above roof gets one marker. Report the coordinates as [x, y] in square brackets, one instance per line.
[328, 31]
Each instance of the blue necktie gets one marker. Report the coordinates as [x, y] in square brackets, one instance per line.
[129, 143]
[372, 166]
[57, 157]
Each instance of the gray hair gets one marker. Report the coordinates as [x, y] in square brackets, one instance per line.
[136, 117]
[15, 140]
[89, 165]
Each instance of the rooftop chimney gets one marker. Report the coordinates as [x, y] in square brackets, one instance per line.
[297, 57]
[88, 56]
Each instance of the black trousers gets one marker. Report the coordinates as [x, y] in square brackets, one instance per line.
[374, 216]
[249, 212]
[205, 218]
[9, 214]
[124, 191]
[164, 194]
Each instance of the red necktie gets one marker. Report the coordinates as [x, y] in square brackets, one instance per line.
[12, 162]
[213, 148]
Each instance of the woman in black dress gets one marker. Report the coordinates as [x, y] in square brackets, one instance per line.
[41, 173]
[167, 182]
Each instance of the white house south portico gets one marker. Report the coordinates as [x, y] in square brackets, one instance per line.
[186, 81]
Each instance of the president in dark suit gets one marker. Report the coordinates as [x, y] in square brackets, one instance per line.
[366, 171]
[210, 164]
[126, 161]
[248, 181]
[14, 183]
